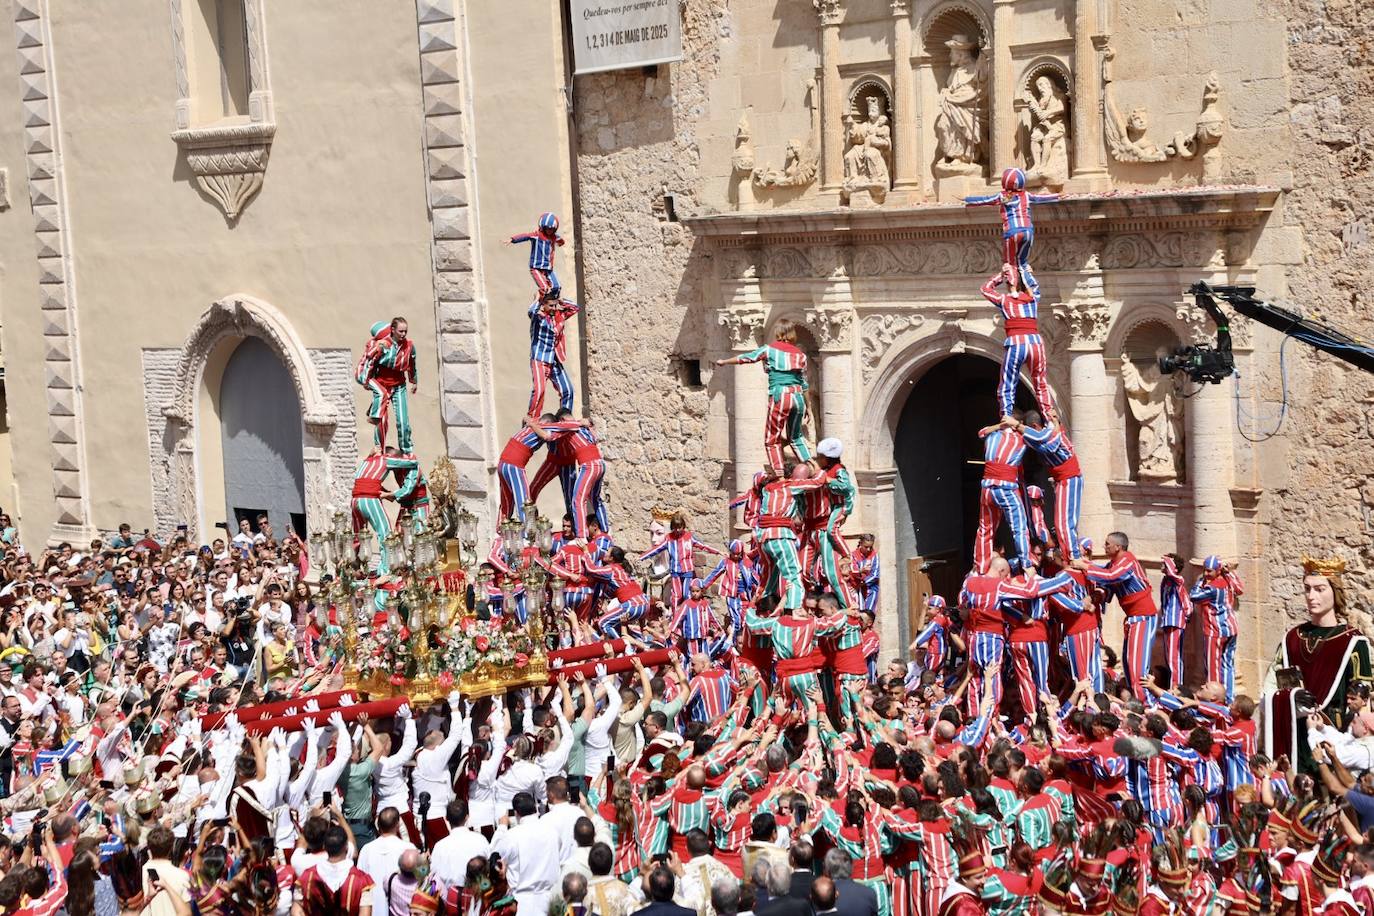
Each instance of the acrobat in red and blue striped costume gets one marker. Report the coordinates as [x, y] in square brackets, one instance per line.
[631, 603]
[1018, 233]
[709, 695]
[782, 426]
[934, 636]
[1052, 444]
[1232, 728]
[1000, 497]
[1175, 609]
[680, 546]
[588, 470]
[366, 501]
[549, 351]
[510, 472]
[863, 566]
[1035, 513]
[1124, 578]
[1151, 783]
[570, 565]
[738, 578]
[1029, 637]
[1214, 596]
[984, 598]
[543, 242]
[1081, 640]
[693, 622]
[385, 367]
[1023, 347]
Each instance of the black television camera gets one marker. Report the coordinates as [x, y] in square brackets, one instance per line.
[1202, 363]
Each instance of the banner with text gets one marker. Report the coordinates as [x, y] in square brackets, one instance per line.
[616, 34]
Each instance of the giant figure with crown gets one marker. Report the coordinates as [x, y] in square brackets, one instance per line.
[1317, 664]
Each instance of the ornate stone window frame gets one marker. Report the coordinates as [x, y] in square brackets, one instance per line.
[229, 157]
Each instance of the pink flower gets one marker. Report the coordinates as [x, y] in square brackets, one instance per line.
[397, 680]
[482, 643]
[469, 624]
[446, 679]
[521, 659]
[404, 634]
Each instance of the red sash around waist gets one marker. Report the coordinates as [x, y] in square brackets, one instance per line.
[517, 453]
[777, 521]
[366, 487]
[791, 667]
[628, 592]
[388, 376]
[586, 454]
[995, 470]
[1139, 604]
[1066, 470]
[850, 661]
[1017, 326]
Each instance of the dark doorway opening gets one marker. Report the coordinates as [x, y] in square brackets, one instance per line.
[939, 459]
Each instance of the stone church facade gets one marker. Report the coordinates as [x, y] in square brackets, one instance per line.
[807, 161]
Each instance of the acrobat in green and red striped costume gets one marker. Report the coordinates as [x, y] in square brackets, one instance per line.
[779, 519]
[799, 659]
[845, 658]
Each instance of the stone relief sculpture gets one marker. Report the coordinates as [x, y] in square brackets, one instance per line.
[959, 124]
[1049, 132]
[1206, 134]
[1157, 412]
[802, 161]
[865, 161]
[1126, 139]
[742, 162]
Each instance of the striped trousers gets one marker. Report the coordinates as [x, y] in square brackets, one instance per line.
[984, 649]
[388, 402]
[586, 496]
[1024, 350]
[368, 510]
[1068, 504]
[541, 373]
[515, 491]
[545, 280]
[1016, 249]
[1030, 662]
[1136, 651]
[782, 425]
[1221, 661]
[784, 571]
[1083, 651]
[997, 501]
[624, 612]
[1171, 642]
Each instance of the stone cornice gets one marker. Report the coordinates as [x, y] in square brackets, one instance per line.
[1206, 208]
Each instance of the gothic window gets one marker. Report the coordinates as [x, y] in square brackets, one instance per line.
[218, 59]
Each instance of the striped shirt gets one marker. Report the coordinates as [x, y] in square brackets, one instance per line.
[1175, 601]
[1217, 601]
[1003, 451]
[681, 547]
[1124, 579]
[548, 343]
[542, 248]
[1017, 304]
[384, 357]
[784, 363]
[1051, 443]
[1015, 207]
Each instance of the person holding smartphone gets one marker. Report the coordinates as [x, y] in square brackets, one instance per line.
[166, 887]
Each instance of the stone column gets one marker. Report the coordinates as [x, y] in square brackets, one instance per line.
[1089, 156]
[1211, 470]
[1002, 125]
[749, 390]
[905, 137]
[876, 491]
[1090, 404]
[832, 95]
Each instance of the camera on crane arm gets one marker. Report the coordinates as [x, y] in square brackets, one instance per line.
[1204, 363]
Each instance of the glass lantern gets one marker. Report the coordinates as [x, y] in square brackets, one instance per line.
[467, 528]
[543, 532]
[557, 598]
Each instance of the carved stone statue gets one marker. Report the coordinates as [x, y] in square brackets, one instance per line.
[865, 165]
[1049, 135]
[959, 124]
[802, 161]
[1206, 134]
[1125, 139]
[742, 163]
[1157, 410]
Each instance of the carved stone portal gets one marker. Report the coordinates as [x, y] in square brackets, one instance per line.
[960, 144]
[870, 144]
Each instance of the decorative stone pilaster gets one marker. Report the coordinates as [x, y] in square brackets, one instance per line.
[56, 281]
[465, 397]
[1002, 125]
[748, 393]
[1089, 159]
[906, 135]
[877, 487]
[833, 325]
[829, 12]
[1091, 396]
[1211, 460]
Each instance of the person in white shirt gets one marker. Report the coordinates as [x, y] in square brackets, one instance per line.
[597, 741]
[700, 873]
[431, 777]
[530, 851]
[292, 792]
[524, 775]
[327, 776]
[393, 789]
[482, 787]
[562, 815]
[448, 861]
[381, 858]
[336, 869]
[606, 893]
[1355, 748]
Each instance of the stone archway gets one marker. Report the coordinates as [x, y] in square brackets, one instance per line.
[185, 440]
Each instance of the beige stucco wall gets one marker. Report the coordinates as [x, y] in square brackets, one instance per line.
[338, 237]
